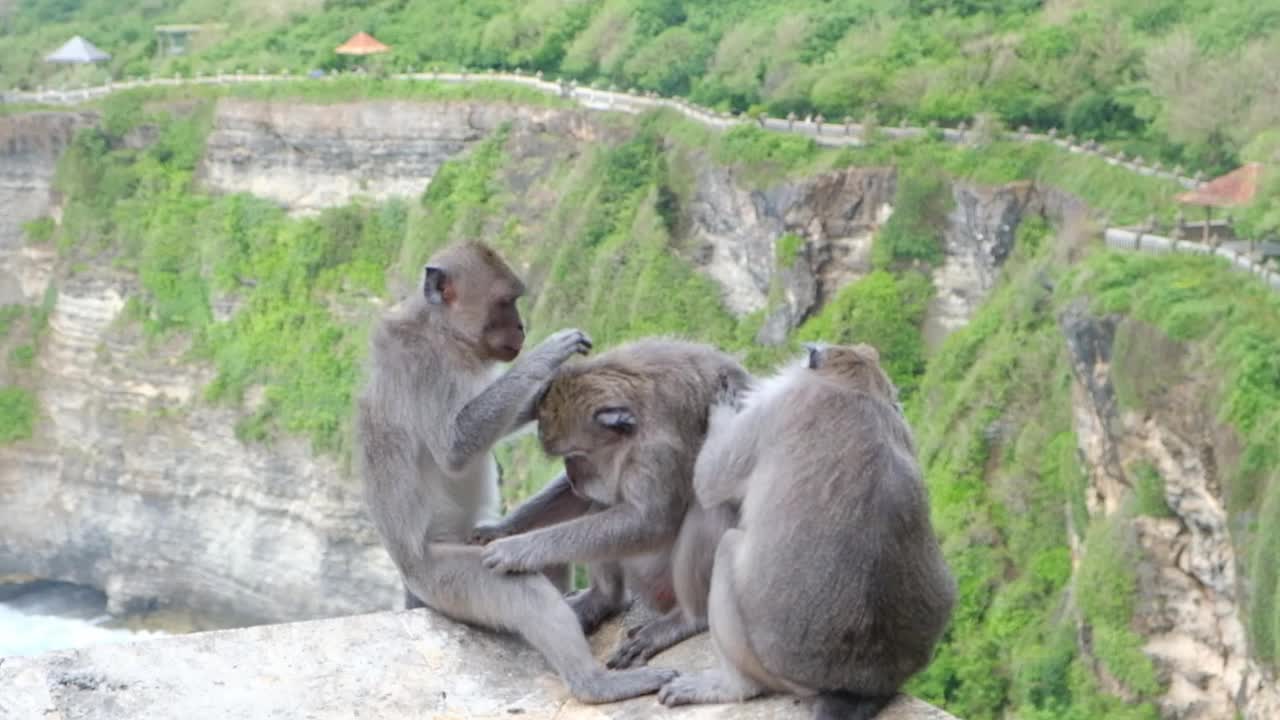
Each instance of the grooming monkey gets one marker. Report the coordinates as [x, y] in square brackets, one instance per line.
[429, 414]
[629, 424]
[833, 582]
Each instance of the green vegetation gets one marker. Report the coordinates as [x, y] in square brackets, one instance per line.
[788, 249]
[1148, 491]
[1109, 190]
[603, 245]
[1106, 584]
[993, 422]
[39, 230]
[285, 274]
[1182, 81]
[754, 146]
[920, 209]
[23, 355]
[17, 414]
[994, 397]
[297, 282]
[8, 315]
[884, 310]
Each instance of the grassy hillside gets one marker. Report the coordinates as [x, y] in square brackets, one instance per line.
[1006, 510]
[1188, 81]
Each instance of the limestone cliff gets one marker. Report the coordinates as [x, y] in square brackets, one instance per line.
[737, 229]
[1190, 595]
[133, 485]
[310, 157]
[30, 145]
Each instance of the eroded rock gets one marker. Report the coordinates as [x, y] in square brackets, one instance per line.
[308, 157]
[1189, 606]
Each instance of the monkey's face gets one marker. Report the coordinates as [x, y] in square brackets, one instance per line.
[855, 366]
[478, 293]
[503, 333]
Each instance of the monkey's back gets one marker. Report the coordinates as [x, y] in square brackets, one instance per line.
[846, 585]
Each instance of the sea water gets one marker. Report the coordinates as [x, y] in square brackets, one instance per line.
[23, 634]
[40, 616]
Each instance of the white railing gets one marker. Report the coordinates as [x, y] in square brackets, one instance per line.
[840, 133]
[1137, 240]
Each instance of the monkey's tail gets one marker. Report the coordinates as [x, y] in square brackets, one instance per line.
[848, 706]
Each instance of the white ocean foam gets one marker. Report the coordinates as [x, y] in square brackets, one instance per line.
[24, 634]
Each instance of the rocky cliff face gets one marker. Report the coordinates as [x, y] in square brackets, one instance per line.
[737, 229]
[835, 216]
[30, 145]
[310, 157]
[1189, 604]
[136, 487]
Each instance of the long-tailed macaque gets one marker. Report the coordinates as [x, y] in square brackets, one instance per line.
[833, 582]
[629, 424]
[429, 414]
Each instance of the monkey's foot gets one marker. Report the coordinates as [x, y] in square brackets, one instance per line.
[645, 641]
[617, 685]
[593, 607]
[708, 686]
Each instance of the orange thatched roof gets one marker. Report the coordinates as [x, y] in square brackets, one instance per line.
[1233, 189]
[362, 43]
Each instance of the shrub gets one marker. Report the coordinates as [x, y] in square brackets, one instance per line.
[17, 414]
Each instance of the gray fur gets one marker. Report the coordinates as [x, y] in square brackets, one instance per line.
[430, 411]
[833, 583]
[630, 423]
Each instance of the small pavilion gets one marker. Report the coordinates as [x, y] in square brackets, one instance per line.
[77, 51]
[1235, 189]
[362, 43]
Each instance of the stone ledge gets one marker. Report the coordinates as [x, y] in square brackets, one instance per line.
[406, 664]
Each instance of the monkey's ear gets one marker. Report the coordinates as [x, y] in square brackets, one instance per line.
[617, 419]
[437, 286]
[815, 355]
[868, 352]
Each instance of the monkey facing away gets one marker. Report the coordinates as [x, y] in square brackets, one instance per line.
[629, 424]
[833, 583]
[428, 416]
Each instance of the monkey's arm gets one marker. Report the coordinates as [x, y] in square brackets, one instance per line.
[486, 419]
[503, 406]
[554, 503]
[615, 532]
[727, 457]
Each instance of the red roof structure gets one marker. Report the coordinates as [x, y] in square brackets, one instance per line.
[362, 43]
[1234, 189]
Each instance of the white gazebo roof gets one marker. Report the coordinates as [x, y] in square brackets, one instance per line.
[77, 50]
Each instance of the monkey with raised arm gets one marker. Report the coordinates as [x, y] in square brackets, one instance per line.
[629, 424]
[432, 407]
[833, 583]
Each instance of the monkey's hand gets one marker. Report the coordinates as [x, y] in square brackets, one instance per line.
[726, 404]
[727, 395]
[486, 533]
[510, 555]
[552, 352]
